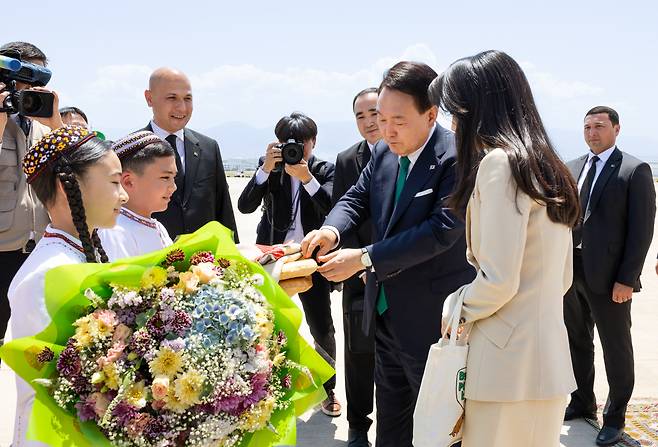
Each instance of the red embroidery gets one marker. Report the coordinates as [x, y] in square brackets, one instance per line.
[65, 239]
[139, 220]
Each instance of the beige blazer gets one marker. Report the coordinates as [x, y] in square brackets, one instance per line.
[21, 213]
[518, 342]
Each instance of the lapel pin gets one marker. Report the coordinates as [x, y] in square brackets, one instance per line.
[432, 167]
[196, 154]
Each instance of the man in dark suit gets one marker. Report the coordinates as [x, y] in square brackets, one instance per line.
[359, 346]
[418, 251]
[202, 193]
[618, 203]
[296, 198]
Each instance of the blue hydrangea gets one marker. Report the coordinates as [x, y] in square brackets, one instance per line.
[223, 316]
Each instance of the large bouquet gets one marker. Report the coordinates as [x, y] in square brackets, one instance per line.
[189, 346]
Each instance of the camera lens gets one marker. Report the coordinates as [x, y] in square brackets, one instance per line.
[292, 153]
[31, 103]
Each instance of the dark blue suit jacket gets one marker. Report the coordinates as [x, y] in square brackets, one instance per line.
[418, 250]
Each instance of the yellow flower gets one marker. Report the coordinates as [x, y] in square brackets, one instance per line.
[111, 373]
[175, 404]
[154, 277]
[136, 395]
[83, 330]
[257, 417]
[167, 362]
[279, 359]
[189, 386]
[188, 282]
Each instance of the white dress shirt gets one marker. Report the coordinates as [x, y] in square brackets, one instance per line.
[28, 308]
[180, 140]
[133, 235]
[296, 231]
[603, 159]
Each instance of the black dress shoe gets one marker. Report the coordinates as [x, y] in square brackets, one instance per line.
[571, 413]
[609, 436]
[357, 438]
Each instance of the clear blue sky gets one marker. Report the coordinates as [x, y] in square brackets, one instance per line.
[252, 62]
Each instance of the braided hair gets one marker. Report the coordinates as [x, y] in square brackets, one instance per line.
[67, 169]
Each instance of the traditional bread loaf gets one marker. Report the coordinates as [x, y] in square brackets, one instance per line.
[296, 285]
[297, 269]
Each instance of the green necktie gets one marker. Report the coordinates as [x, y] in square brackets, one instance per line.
[382, 305]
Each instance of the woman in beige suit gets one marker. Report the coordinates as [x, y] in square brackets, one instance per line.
[522, 204]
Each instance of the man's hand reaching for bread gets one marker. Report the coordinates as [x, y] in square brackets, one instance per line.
[341, 264]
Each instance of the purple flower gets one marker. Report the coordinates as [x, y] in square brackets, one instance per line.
[177, 344]
[176, 255]
[46, 355]
[286, 382]
[80, 384]
[156, 325]
[179, 323]
[124, 412]
[85, 409]
[202, 256]
[281, 338]
[68, 363]
[155, 429]
[258, 390]
[231, 405]
[126, 316]
[141, 342]
[167, 296]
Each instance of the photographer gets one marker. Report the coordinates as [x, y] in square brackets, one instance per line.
[22, 217]
[295, 189]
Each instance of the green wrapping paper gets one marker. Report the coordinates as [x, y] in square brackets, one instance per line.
[66, 302]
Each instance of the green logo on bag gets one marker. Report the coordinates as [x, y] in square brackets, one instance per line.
[460, 386]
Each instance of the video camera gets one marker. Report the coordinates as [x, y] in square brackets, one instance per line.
[25, 102]
[292, 153]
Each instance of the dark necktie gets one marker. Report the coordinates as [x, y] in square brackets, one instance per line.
[25, 125]
[382, 304]
[586, 189]
[180, 176]
[585, 192]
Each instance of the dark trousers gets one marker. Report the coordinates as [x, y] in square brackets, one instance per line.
[582, 310]
[359, 361]
[10, 262]
[317, 311]
[397, 379]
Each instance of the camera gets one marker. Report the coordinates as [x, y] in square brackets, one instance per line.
[292, 153]
[25, 102]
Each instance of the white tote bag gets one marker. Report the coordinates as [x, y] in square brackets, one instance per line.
[439, 412]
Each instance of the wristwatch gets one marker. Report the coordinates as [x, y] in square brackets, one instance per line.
[365, 258]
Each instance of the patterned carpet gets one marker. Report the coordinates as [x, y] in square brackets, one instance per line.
[641, 424]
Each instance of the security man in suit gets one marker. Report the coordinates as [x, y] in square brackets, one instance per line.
[202, 193]
[618, 207]
[359, 346]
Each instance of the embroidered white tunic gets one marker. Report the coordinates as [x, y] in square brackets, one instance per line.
[133, 235]
[28, 308]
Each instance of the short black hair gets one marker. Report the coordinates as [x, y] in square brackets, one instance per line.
[412, 78]
[297, 126]
[365, 91]
[23, 51]
[612, 113]
[137, 161]
[66, 110]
